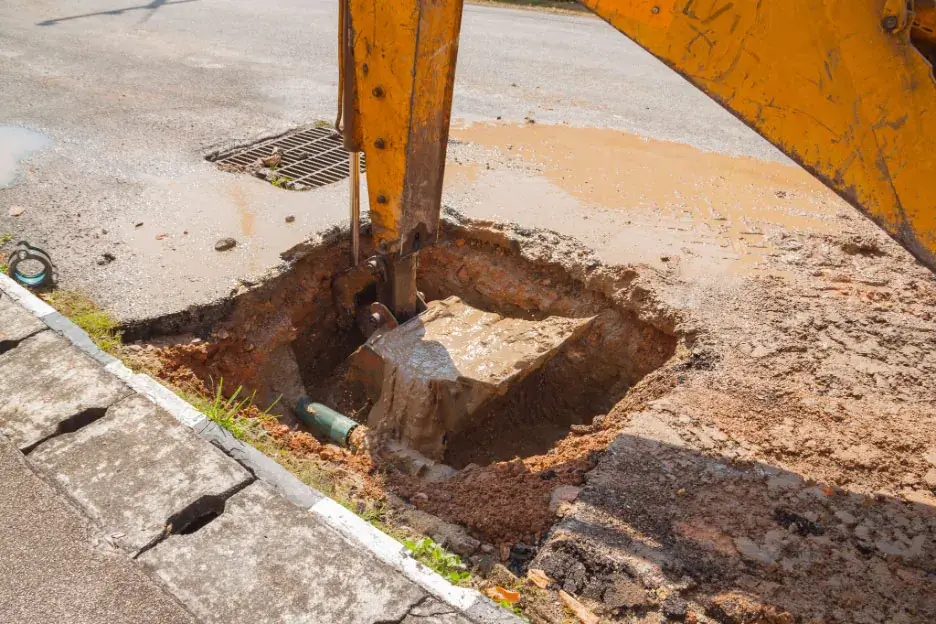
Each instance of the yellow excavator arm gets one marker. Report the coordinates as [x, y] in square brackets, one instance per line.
[842, 87]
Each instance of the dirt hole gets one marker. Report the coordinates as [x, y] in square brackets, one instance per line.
[306, 316]
[584, 380]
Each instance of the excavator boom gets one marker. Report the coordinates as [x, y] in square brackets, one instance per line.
[839, 86]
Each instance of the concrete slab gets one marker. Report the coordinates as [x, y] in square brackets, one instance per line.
[436, 370]
[45, 381]
[54, 568]
[15, 322]
[136, 468]
[265, 560]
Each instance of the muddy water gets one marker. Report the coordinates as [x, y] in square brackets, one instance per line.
[638, 199]
[15, 145]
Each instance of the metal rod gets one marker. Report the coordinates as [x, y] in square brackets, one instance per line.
[354, 161]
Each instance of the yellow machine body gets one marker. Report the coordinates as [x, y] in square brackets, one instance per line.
[404, 55]
[837, 85]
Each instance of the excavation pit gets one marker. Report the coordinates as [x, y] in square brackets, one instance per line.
[432, 376]
[295, 334]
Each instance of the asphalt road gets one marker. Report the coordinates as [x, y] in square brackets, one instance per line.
[134, 95]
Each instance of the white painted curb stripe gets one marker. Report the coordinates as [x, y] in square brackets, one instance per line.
[31, 302]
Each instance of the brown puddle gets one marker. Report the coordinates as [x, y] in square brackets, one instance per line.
[703, 202]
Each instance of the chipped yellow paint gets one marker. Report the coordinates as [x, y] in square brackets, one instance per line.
[404, 58]
[820, 79]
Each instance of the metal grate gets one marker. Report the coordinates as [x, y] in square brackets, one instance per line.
[309, 159]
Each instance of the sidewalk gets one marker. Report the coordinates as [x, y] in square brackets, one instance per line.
[177, 517]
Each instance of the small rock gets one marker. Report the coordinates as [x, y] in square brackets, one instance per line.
[846, 518]
[106, 258]
[483, 564]
[500, 575]
[909, 479]
[930, 478]
[751, 550]
[161, 236]
[290, 218]
[674, 607]
[930, 456]
[16, 211]
[487, 549]
[420, 498]
[225, 243]
[562, 494]
[625, 593]
[274, 159]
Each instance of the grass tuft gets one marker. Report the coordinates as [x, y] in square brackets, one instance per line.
[98, 324]
[236, 413]
[433, 556]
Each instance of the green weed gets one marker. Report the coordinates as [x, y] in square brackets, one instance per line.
[280, 181]
[231, 412]
[433, 556]
[5, 238]
[98, 324]
[513, 607]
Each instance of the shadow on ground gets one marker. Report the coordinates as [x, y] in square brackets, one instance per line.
[743, 542]
[150, 9]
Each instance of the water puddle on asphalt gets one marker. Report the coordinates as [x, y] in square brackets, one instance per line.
[619, 191]
[16, 144]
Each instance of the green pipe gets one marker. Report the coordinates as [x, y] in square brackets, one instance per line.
[325, 421]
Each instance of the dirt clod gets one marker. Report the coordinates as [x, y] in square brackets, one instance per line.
[225, 244]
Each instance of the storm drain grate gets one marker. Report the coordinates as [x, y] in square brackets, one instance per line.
[307, 159]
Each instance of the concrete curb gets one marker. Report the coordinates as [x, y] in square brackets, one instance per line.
[471, 603]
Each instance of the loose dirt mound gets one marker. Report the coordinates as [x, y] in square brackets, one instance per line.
[789, 476]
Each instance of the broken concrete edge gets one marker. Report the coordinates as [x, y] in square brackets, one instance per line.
[469, 602]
